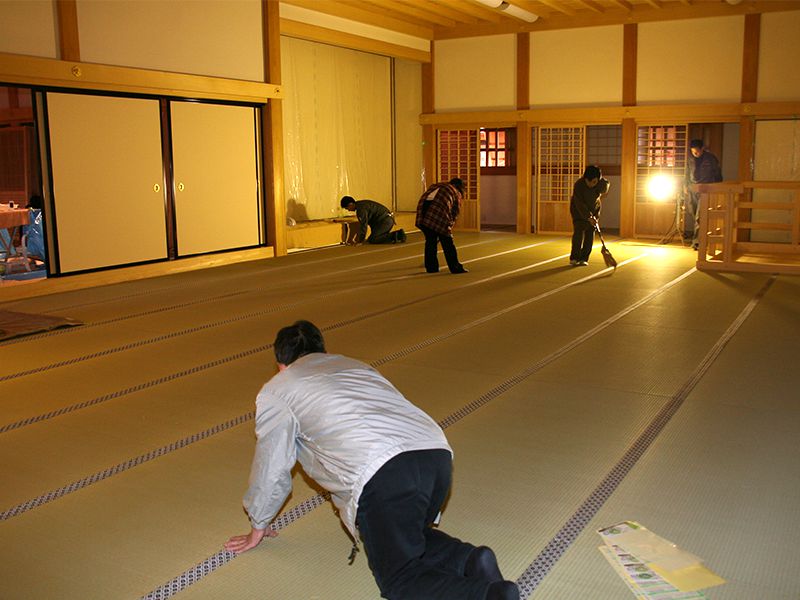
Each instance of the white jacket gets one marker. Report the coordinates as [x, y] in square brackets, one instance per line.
[342, 420]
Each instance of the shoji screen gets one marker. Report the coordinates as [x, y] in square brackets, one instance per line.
[337, 127]
[107, 180]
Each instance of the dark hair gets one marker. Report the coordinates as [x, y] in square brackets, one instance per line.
[696, 143]
[346, 200]
[458, 184]
[296, 340]
[592, 172]
[35, 201]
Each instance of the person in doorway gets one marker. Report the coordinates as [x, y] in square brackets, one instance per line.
[386, 463]
[584, 207]
[34, 232]
[437, 210]
[377, 218]
[701, 167]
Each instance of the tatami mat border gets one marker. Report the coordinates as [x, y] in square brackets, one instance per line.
[210, 564]
[555, 548]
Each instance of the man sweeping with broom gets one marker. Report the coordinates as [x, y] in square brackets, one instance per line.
[584, 206]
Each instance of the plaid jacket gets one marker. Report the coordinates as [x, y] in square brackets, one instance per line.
[438, 208]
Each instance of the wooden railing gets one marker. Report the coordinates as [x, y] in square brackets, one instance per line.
[749, 226]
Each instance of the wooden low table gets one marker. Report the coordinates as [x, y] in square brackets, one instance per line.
[11, 219]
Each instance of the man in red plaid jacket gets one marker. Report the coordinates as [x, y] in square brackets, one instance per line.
[437, 210]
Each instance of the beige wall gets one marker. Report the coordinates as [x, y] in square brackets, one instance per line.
[690, 61]
[576, 66]
[221, 38]
[476, 73]
[28, 27]
[779, 57]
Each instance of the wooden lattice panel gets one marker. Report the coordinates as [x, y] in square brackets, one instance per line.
[661, 150]
[459, 156]
[559, 165]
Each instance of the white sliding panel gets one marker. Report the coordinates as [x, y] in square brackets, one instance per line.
[107, 180]
[216, 179]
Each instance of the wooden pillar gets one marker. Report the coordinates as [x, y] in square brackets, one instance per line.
[747, 125]
[524, 153]
[630, 37]
[428, 131]
[627, 203]
[68, 39]
[627, 199]
[524, 182]
[272, 131]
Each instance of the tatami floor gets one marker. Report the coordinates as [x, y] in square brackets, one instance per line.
[574, 398]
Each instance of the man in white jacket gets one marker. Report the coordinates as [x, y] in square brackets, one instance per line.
[385, 462]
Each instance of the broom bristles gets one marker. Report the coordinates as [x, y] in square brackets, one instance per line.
[608, 258]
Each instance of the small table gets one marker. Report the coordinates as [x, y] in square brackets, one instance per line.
[350, 229]
[11, 219]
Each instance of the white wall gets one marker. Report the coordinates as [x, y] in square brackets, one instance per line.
[690, 61]
[28, 27]
[221, 38]
[576, 66]
[779, 57]
[475, 73]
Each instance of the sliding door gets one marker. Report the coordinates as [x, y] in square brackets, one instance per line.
[107, 180]
[215, 177]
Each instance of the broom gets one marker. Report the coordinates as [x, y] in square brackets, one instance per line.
[608, 258]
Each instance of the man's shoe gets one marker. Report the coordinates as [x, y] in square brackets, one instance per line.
[573, 262]
[401, 236]
[503, 590]
[482, 563]
[459, 269]
[583, 263]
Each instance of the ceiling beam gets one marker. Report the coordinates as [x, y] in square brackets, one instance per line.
[557, 5]
[591, 5]
[623, 4]
[401, 10]
[361, 15]
[655, 3]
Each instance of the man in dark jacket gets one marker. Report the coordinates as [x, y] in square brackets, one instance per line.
[701, 167]
[437, 211]
[377, 217]
[584, 206]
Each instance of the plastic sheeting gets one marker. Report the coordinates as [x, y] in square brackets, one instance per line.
[337, 128]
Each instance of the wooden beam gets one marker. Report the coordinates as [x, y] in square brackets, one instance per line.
[630, 49]
[33, 70]
[591, 5]
[428, 131]
[67, 24]
[627, 201]
[623, 4]
[559, 6]
[752, 35]
[403, 11]
[655, 3]
[355, 12]
[480, 11]
[640, 13]
[272, 131]
[335, 37]
[524, 180]
[523, 70]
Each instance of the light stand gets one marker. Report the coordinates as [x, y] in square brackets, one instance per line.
[678, 223]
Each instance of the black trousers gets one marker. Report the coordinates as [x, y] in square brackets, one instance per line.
[432, 239]
[582, 240]
[409, 559]
[380, 233]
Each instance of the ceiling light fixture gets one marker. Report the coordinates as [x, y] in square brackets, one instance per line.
[510, 9]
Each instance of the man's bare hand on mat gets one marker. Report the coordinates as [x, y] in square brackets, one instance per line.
[243, 543]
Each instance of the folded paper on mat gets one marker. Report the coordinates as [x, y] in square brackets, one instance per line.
[680, 568]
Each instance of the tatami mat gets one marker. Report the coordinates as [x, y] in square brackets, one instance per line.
[126, 442]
